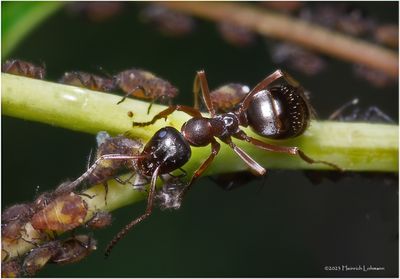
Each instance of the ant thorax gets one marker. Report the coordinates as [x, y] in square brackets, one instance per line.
[225, 125]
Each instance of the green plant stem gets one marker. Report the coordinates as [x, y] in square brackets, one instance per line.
[352, 146]
[298, 31]
[21, 17]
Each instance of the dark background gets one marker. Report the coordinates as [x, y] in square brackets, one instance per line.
[289, 227]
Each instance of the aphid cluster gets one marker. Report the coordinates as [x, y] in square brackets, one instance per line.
[133, 82]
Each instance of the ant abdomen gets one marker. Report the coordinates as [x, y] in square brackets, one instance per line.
[279, 112]
[168, 149]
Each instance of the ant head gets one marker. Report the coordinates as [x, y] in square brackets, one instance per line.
[198, 131]
[168, 149]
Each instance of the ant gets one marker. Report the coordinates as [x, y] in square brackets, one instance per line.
[23, 68]
[87, 80]
[144, 85]
[164, 153]
[275, 112]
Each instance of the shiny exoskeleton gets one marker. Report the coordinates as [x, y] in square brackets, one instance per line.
[276, 112]
[165, 152]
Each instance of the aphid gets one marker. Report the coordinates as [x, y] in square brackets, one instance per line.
[108, 169]
[11, 268]
[165, 152]
[23, 68]
[145, 85]
[47, 197]
[63, 213]
[276, 112]
[375, 77]
[74, 249]
[354, 21]
[226, 97]
[87, 80]
[13, 221]
[297, 58]
[100, 219]
[61, 252]
[236, 35]
[168, 22]
[40, 256]
[350, 111]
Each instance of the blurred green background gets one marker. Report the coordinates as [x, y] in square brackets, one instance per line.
[281, 226]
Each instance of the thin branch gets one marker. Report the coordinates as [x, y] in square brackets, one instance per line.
[298, 31]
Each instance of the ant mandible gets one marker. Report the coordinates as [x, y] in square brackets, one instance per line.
[277, 112]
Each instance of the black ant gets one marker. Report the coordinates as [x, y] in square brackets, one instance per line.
[276, 112]
[164, 153]
[23, 68]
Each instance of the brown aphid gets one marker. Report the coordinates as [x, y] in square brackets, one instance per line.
[87, 80]
[13, 220]
[46, 198]
[11, 269]
[236, 35]
[101, 219]
[63, 213]
[39, 257]
[145, 85]
[108, 169]
[168, 22]
[226, 97]
[23, 68]
[74, 249]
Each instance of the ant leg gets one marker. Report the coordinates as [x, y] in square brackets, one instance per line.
[139, 87]
[202, 80]
[139, 219]
[215, 147]
[282, 149]
[164, 114]
[262, 85]
[255, 168]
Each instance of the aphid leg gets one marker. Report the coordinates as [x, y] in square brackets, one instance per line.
[282, 149]
[202, 80]
[375, 111]
[139, 219]
[255, 168]
[164, 114]
[264, 83]
[215, 147]
[139, 87]
[338, 113]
